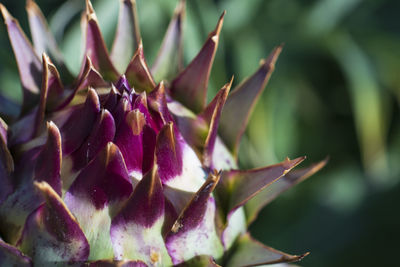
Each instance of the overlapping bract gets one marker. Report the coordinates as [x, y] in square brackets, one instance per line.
[112, 168]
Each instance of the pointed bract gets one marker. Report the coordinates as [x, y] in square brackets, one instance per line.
[51, 234]
[96, 48]
[136, 141]
[169, 61]
[48, 164]
[178, 165]
[127, 36]
[102, 133]
[238, 186]
[43, 39]
[79, 124]
[96, 194]
[138, 73]
[136, 232]
[254, 205]
[190, 87]
[199, 261]
[211, 115]
[11, 256]
[89, 77]
[196, 225]
[241, 102]
[3, 131]
[6, 170]
[249, 252]
[29, 65]
[51, 84]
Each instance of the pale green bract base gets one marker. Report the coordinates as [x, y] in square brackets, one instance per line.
[95, 225]
[133, 241]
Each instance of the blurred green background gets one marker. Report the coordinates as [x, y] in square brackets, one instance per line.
[335, 92]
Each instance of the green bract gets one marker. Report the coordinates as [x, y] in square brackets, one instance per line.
[126, 164]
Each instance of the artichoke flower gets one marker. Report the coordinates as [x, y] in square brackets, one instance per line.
[127, 165]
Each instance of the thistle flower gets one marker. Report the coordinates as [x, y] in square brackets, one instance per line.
[125, 164]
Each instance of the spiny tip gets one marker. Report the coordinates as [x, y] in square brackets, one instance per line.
[31, 6]
[219, 24]
[4, 12]
[90, 14]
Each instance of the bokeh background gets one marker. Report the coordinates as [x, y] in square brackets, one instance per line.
[335, 92]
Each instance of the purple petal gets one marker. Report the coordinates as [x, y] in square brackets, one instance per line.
[138, 74]
[169, 61]
[127, 36]
[104, 180]
[11, 256]
[158, 104]
[29, 65]
[24, 129]
[79, 123]
[241, 102]
[141, 104]
[178, 165]
[122, 85]
[112, 99]
[119, 113]
[168, 154]
[249, 252]
[51, 234]
[89, 77]
[48, 166]
[190, 87]
[196, 223]
[254, 205]
[102, 133]
[136, 232]
[9, 109]
[136, 141]
[146, 204]
[96, 48]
